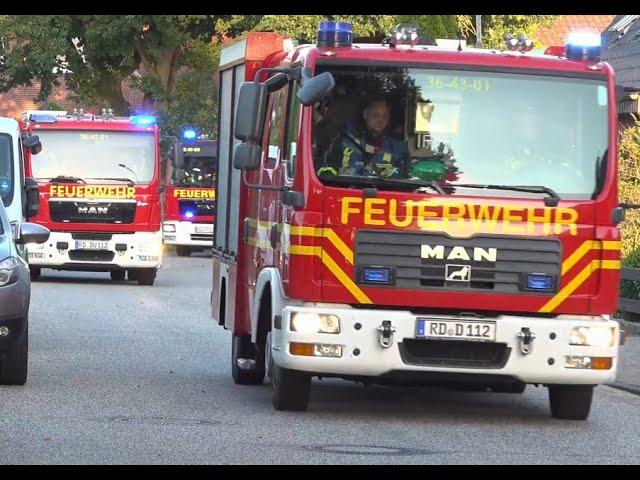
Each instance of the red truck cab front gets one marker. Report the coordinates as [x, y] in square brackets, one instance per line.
[99, 182]
[482, 248]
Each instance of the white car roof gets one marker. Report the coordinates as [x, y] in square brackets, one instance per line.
[9, 125]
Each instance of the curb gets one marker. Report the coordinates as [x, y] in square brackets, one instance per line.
[632, 328]
[627, 387]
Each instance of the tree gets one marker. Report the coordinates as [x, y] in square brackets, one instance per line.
[494, 27]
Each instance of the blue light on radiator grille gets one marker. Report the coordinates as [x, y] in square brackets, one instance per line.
[540, 282]
[376, 275]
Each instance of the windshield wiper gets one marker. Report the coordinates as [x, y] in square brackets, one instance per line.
[119, 179]
[377, 182]
[550, 201]
[67, 179]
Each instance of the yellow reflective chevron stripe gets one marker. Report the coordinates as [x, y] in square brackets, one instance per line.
[334, 268]
[582, 250]
[578, 280]
[330, 235]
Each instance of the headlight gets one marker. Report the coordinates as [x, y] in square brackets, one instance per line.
[8, 271]
[168, 227]
[592, 336]
[308, 322]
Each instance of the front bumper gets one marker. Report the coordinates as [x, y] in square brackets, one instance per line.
[135, 250]
[363, 356]
[188, 234]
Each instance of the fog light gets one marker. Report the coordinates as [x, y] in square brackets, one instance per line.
[592, 363]
[4, 331]
[592, 336]
[169, 228]
[308, 322]
[315, 350]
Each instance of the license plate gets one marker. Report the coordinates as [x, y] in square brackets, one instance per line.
[36, 254]
[456, 329]
[204, 228]
[91, 245]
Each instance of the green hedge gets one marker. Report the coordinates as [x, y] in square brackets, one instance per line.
[629, 288]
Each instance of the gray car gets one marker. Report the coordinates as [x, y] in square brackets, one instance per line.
[15, 294]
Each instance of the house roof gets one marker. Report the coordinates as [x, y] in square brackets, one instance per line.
[621, 49]
[557, 33]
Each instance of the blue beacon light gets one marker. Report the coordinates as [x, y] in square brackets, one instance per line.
[583, 46]
[189, 214]
[335, 34]
[189, 134]
[142, 120]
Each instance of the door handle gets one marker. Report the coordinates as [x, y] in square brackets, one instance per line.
[245, 230]
[273, 235]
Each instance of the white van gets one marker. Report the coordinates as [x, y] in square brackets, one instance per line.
[19, 194]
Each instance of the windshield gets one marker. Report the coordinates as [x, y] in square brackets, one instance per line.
[94, 156]
[6, 168]
[463, 128]
[198, 172]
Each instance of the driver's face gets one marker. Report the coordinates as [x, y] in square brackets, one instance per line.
[376, 117]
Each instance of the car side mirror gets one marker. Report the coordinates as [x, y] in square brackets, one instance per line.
[32, 233]
[32, 203]
[251, 110]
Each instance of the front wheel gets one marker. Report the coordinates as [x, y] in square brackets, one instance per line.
[146, 276]
[570, 402]
[291, 389]
[14, 366]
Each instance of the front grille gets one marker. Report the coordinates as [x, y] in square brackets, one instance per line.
[454, 353]
[201, 237]
[91, 236]
[91, 255]
[92, 212]
[401, 252]
[200, 207]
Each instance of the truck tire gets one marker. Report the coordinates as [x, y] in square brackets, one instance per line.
[117, 275]
[570, 402]
[146, 276]
[14, 365]
[35, 273]
[183, 251]
[290, 389]
[241, 347]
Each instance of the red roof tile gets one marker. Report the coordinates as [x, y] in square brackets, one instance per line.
[557, 33]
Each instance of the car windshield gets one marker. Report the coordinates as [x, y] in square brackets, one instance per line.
[467, 130]
[6, 168]
[198, 172]
[96, 156]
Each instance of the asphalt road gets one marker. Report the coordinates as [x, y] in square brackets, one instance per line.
[126, 374]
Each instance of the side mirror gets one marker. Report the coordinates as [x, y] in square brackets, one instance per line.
[250, 112]
[32, 142]
[246, 156]
[315, 88]
[276, 82]
[32, 233]
[179, 156]
[32, 201]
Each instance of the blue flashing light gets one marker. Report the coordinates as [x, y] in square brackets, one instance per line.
[539, 282]
[584, 46]
[189, 214]
[335, 34]
[376, 274]
[189, 134]
[42, 118]
[142, 120]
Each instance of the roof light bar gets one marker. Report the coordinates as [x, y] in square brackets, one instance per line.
[142, 120]
[334, 34]
[585, 46]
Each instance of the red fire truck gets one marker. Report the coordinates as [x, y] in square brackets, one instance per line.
[480, 248]
[189, 198]
[99, 181]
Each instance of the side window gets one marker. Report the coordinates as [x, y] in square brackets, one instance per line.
[276, 125]
[293, 116]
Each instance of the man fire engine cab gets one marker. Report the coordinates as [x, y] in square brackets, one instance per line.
[189, 200]
[478, 246]
[99, 181]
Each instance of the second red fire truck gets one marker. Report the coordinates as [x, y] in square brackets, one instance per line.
[99, 183]
[483, 248]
